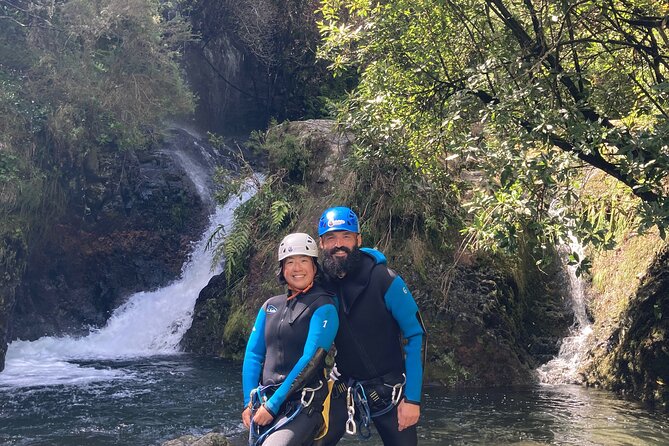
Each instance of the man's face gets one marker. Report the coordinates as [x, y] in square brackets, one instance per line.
[340, 251]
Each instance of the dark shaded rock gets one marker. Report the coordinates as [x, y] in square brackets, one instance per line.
[12, 263]
[484, 334]
[634, 360]
[250, 66]
[127, 228]
[210, 315]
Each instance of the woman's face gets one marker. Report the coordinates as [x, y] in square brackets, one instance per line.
[299, 271]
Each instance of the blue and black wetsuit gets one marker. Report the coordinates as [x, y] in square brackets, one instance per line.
[376, 312]
[286, 337]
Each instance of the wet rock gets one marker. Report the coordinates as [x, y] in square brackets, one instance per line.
[210, 439]
[211, 312]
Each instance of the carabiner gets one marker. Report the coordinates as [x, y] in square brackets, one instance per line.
[351, 427]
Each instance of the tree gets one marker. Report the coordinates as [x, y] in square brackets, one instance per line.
[514, 103]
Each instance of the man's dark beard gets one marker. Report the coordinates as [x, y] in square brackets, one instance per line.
[339, 267]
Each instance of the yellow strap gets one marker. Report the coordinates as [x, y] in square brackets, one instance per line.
[325, 413]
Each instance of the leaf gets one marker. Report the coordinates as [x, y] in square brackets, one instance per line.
[279, 211]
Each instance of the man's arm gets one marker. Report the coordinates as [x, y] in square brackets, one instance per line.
[402, 306]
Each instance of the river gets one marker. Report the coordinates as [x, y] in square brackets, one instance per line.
[153, 399]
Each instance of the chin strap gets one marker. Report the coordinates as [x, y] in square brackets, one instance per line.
[298, 292]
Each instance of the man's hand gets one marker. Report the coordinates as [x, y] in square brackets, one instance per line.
[246, 417]
[262, 416]
[407, 414]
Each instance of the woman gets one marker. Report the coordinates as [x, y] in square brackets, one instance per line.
[283, 373]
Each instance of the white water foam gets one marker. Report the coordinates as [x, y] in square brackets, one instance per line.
[563, 369]
[149, 323]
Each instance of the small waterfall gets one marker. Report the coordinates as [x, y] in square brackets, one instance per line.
[149, 323]
[563, 369]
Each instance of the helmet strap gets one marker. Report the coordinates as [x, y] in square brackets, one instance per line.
[298, 292]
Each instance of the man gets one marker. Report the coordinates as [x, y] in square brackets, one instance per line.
[381, 375]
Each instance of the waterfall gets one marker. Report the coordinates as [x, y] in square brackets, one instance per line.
[563, 369]
[149, 323]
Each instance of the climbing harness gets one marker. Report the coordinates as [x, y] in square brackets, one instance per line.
[259, 397]
[358, 402]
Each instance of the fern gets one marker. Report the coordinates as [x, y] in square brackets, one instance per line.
[278, 212]
[236, 247]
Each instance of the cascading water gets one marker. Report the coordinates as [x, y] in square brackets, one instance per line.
[563, 369]
[149, 323]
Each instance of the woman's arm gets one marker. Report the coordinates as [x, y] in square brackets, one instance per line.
[254, 356]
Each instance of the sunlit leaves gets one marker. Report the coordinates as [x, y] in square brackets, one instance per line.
[516, 101]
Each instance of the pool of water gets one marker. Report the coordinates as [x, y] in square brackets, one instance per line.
[149, 400]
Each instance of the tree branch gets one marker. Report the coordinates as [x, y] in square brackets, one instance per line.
[594, 159]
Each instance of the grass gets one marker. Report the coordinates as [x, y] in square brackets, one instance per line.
[616, 274]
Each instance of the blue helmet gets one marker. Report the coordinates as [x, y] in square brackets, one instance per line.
[339, 218]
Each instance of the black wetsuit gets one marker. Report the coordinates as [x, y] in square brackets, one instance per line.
[376, 310]
[285, 338]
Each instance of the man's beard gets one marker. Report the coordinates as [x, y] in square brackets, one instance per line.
[340, 266]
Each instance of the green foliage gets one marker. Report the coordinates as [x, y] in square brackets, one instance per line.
[77, 77]
[237, 246]
[9, 169]
[257, 224]
[279, 211]
[260, 220]
[285, 151]
[510, 107]
[396, 203]
[12, 256]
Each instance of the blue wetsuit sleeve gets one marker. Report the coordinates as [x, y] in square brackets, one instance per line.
[322, 331]
[402, 306]
[254, 356]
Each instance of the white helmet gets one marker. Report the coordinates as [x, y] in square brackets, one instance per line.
[297, 244]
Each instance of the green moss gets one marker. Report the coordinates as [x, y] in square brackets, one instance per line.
[236, 332]
[616, 273]
[446, 369]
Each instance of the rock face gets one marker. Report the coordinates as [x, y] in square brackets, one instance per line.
[228, 82]
[127, 230]
[254, 63]
[12, 254]
[493, 330]
[634, 360]
[211, 312]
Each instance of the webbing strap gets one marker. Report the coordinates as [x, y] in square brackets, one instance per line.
[255, 438]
